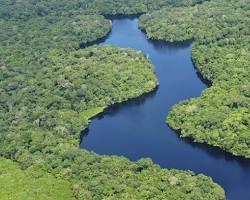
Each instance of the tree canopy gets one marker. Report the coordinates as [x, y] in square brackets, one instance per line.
[50, 88]
[29, 184]
[220, 31]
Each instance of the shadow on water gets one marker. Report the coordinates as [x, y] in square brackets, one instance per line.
[159, 44]
[203, 79]
[216, 152]
[122, 16]
[100, 40]
[112, 110]
[137, 129]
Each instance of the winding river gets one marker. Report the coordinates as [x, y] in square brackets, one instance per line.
[137, 128]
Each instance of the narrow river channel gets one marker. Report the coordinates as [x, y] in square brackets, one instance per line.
[137, 129]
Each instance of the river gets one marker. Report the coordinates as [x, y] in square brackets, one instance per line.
[137, 129]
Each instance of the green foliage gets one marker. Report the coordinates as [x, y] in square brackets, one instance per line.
[88, 114]
[49, 91]
[24, 185]
[111, 7]
[25, 9]
[76, 82]
[38, 39]
[176, 25]
[220, 30]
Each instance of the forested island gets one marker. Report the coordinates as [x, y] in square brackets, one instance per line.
[51, 89]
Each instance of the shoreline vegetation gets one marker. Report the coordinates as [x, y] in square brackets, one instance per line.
[220, 116]
[99, 39]
[50, 90]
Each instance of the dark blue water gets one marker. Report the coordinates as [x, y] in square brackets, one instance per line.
[137, 129]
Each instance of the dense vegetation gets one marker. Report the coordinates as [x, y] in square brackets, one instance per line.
[26, 9]
[29, 184]
[111, 7]
[221, 52]
[50, 89]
